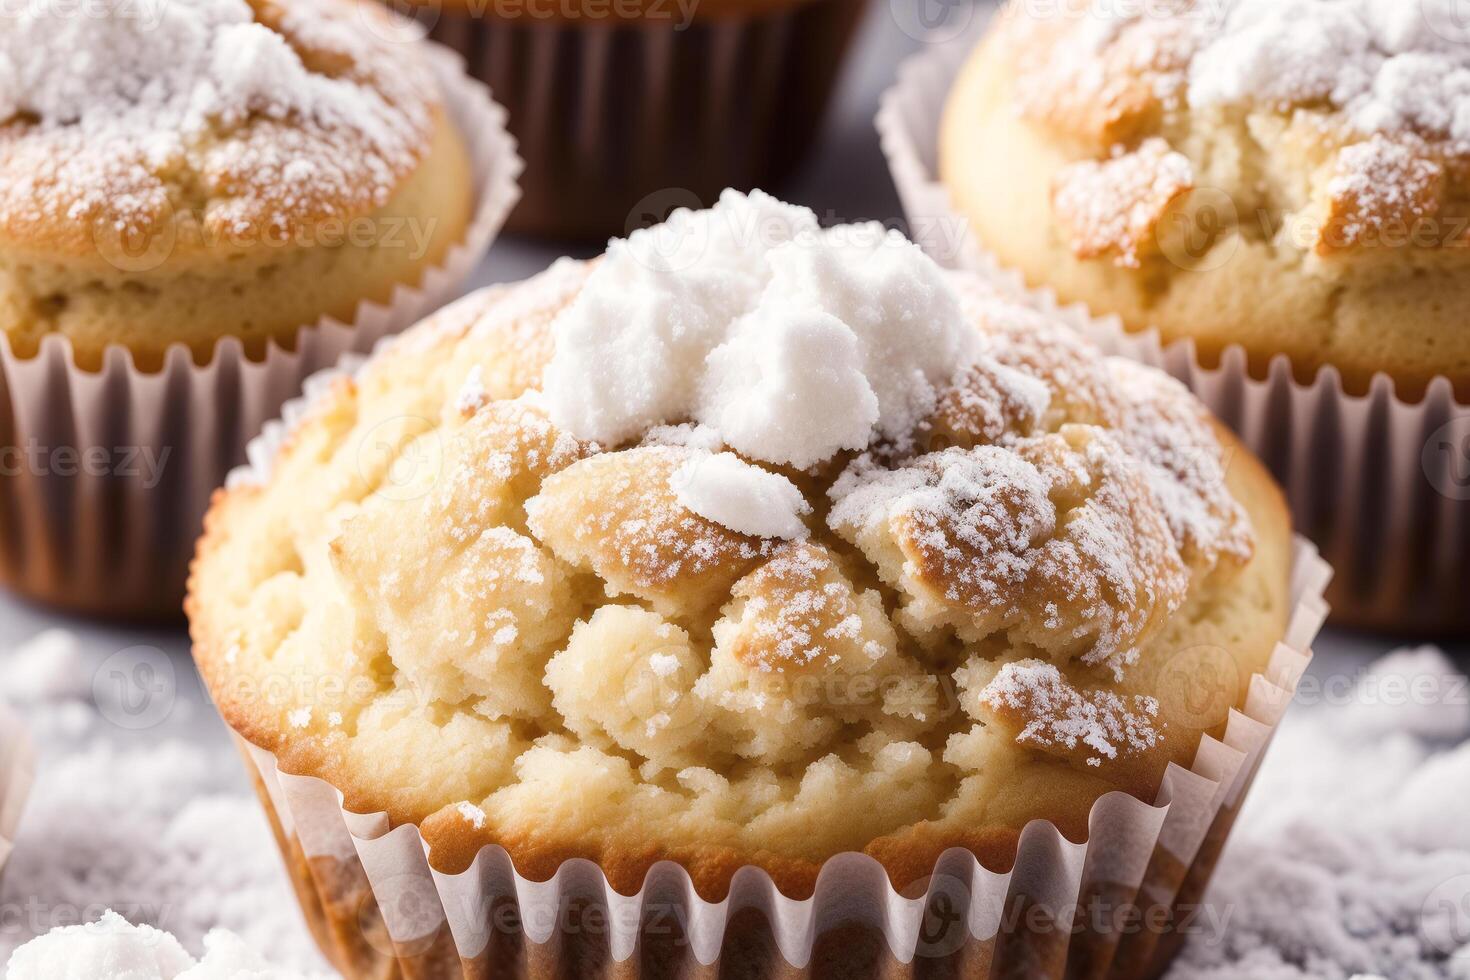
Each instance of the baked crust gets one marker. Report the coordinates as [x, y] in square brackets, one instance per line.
[131, 237]
[624, 775]
[1278, 227]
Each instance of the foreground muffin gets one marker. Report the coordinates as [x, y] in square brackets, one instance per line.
[626, 109]
[748, 544]
[1286, 177]
[201, 203]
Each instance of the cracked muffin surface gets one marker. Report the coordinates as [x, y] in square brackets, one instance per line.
[1047, 585]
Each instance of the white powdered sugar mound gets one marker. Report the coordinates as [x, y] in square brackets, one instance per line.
[112, 948]
[724, 488]
[1352, 854]
[790, 341]
[164, 831]
[1389, 65]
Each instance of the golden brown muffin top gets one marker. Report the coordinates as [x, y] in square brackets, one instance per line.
[576, 564]
[203, 123]
[1351, 116]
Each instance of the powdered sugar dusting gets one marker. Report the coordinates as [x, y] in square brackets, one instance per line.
[1384, 66]
[1057, 714]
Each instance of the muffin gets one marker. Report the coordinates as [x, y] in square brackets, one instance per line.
[1290, 178]
[182, 191]
[625, 110]
[1267, 199]
[747, 545]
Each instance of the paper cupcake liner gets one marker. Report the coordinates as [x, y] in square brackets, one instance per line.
[17, 773]
[1382, 485]
[619, 120]
[106, 475]
[379, 909]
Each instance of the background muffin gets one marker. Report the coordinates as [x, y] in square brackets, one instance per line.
[1289, 178]
[837, 554]
[615, 101]
[235, 171]
[197, 184]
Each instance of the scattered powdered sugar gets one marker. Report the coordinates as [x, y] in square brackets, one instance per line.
[790, 341]
[1351, 857]
[1056, 714]
[724, 488]
[163, 830]
[112, 948]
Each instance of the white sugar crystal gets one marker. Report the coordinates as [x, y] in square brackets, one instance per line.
[472, 814]
[663, 664]
[472, 393]
[112, 948]
[109, 947]
[791, 343]
[735, 494]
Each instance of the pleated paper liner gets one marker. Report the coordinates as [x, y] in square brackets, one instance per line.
[17, 773]
[620, 120]
[106, 523]
[379, 910]
[1382, 485]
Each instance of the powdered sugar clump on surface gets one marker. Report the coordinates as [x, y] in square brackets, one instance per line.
[1352, 854]
[725, 489]
[1105, 723]
[791, 341]
[112, 948]
[159, 827]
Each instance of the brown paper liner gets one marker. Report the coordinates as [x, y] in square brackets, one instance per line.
[1382, 485]
[112, 540]
[619, 121]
